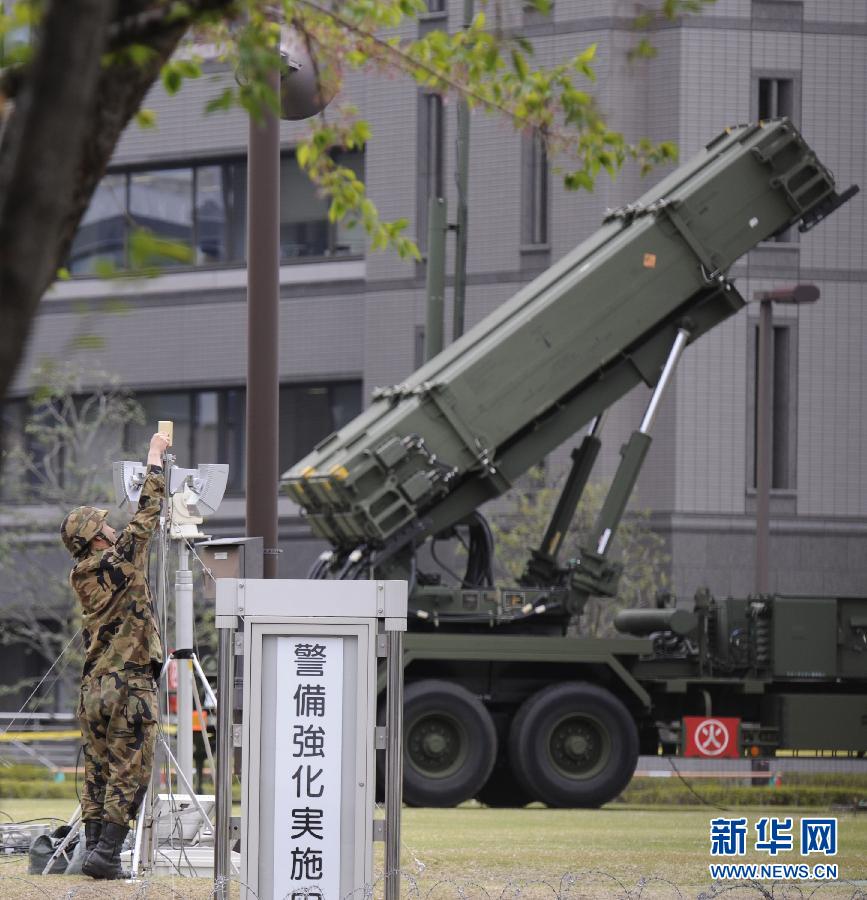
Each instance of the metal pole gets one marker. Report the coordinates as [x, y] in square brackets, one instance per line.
[763, 446]
[436, 277]
[263, 291]
[461, 179]
[662, 384]
[225, 762]
[393, 764]
[184, 641]
[204, 729]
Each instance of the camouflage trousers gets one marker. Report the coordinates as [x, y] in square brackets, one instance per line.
[118, 718]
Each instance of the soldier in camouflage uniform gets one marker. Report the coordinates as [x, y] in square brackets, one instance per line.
[123, 655]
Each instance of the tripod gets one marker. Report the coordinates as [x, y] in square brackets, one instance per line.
[145, 850]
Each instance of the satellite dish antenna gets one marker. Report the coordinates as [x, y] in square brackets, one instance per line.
[310, 83]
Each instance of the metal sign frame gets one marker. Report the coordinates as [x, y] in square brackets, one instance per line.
[366, 615]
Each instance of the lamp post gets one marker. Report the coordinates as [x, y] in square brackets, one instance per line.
[263, 292]
[305, 89]
[801, 293]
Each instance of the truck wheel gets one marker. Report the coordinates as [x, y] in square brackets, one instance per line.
[449, 743]
[573, 744]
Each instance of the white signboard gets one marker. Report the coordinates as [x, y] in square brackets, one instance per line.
[307, 788]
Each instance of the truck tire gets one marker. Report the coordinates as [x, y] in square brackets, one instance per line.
[573, 745]
[449, 744]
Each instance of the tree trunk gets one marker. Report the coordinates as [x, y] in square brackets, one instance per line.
[69, 114]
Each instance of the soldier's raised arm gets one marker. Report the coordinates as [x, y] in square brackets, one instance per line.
[136, 535]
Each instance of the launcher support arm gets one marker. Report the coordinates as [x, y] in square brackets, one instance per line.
[592, 573]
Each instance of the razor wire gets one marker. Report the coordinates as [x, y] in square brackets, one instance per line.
[584, 884]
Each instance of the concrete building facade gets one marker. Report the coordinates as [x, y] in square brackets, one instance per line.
[351, 320]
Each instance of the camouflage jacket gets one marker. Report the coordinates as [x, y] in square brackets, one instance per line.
[119, 624]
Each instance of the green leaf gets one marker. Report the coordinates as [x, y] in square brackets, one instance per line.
[146, 118]
[644, 49]
[542, 6]
[105, 268]
[140, 54]
[520, 64]
[176, 70]
[147, 249]
[221, 103]
[179, 10]
[588, 55]
[575, 181]
[171, 80]
[524, 44]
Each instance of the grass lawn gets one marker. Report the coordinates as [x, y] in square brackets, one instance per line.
[468, 851]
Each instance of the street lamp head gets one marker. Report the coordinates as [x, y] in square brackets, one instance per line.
[797, 294]
[310, 82]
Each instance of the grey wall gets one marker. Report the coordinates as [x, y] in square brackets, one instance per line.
[360, 318]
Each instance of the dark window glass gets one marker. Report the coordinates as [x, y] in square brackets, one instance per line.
[101, 236]
[535, 190]
[350, 240]
[206, 427]
[308, 413]
[221, 195]
[418, 353]
[434, 149]
[304, 226]
[209, 424]
[233, 417]
[781, 407]
[781, 433]
[177, 407]
[431, 151]
[345, 404]
[204, 208]
[776, 98]
[162, 202]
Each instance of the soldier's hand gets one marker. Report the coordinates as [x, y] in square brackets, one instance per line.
[159, 442]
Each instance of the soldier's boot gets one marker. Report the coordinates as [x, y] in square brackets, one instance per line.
[92, 831]
[104, 860]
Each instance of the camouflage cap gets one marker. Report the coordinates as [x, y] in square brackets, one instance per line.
[80, 527]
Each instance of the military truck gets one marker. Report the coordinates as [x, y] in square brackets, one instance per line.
[500, 703]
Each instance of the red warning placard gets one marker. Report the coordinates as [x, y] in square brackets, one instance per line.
[711, 738]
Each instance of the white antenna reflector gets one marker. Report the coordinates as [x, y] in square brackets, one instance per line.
[128, 476]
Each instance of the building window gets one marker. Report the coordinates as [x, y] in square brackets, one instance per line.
[778, 15]
[203, 207]
[102, 235]
[418, 347]
[783, 405]
[534, 191]
[310, 412]
[210, 423]
[431, 158]
[208, 427]
[437, 6]
[776, 98]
